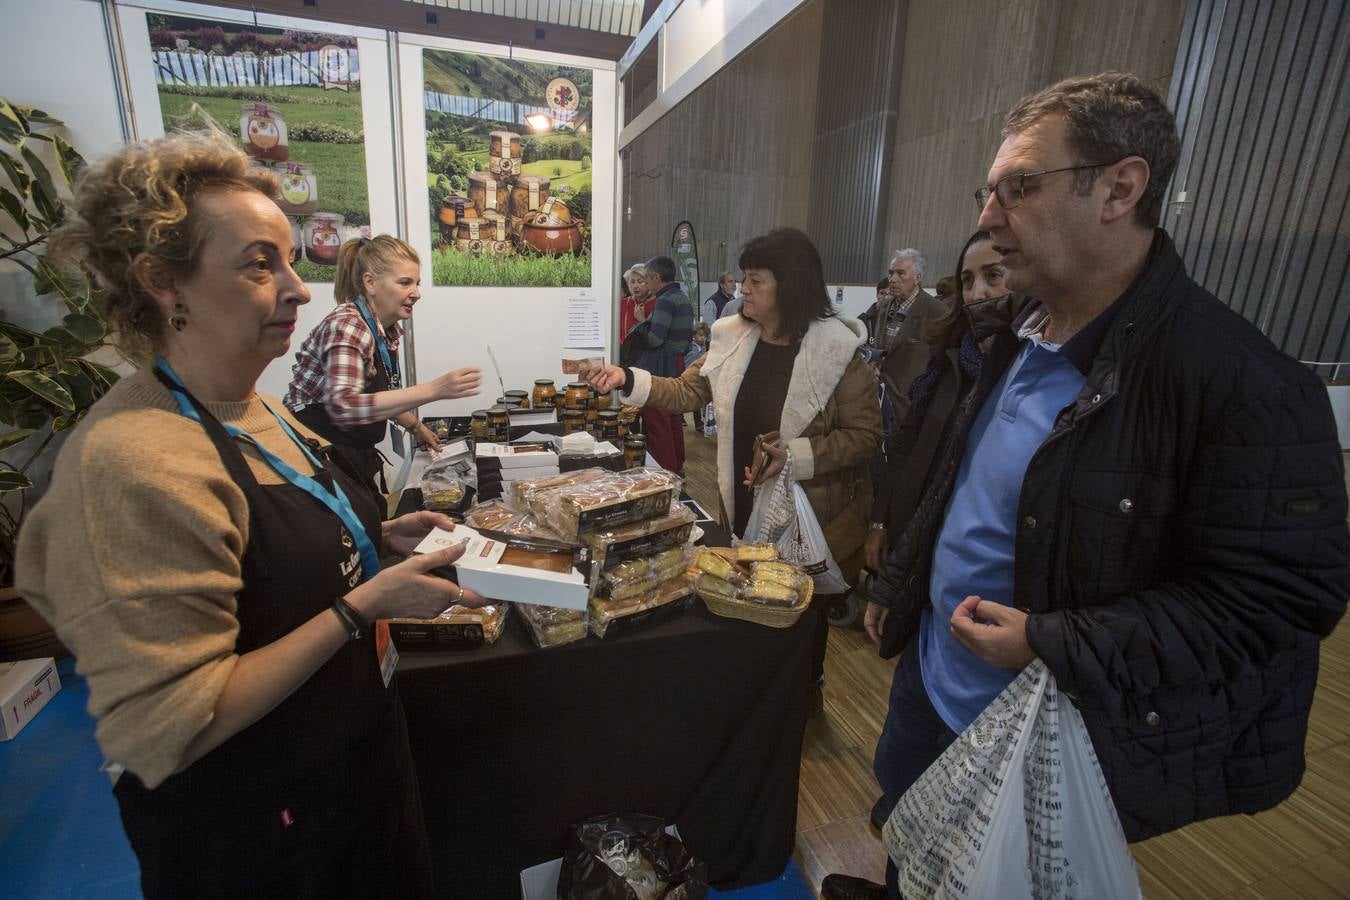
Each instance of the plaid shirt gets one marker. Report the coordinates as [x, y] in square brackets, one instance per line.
[336, 367]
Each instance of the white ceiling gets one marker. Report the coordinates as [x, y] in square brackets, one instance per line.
[609, 16]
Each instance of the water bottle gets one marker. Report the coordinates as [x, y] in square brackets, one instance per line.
[839, 297]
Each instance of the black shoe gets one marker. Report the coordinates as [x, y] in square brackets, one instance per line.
[880, 813]
[847, 887]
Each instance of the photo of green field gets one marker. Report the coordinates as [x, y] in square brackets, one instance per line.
[208, 71]
[471, 97]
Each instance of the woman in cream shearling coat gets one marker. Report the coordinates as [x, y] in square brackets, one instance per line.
[786, 363]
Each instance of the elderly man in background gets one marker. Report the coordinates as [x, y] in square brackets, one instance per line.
[898, 350]
[713, 307]
[1138, 489]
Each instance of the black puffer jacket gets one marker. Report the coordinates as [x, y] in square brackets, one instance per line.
[1181, 547]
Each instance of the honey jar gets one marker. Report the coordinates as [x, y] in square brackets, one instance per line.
[573, 420]
[578, 396]
[544, 393]
[478, 425]
[634, 451]
[522, 398]
[608, 428]
[498, 424]
[510, 402]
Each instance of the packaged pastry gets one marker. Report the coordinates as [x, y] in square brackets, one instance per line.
[602, 500]
[779, 572]
[495, 517]
[718, 566]
[458, 628]
[770, 592]
[745, 551]
[551, 626]
[638, 541]
[711, 585]
[638, 576]
[613, 616]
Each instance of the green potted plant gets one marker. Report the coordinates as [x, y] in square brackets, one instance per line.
[47, 380]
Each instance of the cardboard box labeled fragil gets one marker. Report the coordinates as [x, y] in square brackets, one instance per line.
[25, 687]
[480, 569]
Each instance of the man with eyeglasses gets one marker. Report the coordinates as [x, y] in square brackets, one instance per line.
[1137, 488]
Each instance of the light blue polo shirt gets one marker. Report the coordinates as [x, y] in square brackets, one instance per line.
[974, 550]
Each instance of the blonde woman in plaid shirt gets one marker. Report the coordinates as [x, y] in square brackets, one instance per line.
[345, 383]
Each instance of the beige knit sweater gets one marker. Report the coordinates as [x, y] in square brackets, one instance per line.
[134, 556]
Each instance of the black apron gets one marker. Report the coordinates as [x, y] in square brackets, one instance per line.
[354, 446]
[319, 797]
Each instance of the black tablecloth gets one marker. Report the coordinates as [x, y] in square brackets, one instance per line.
[699, 721]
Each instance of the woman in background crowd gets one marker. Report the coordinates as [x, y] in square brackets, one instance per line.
[635, 305]
[215, 577]
[982, 304]
[345, 383]
[788, 367]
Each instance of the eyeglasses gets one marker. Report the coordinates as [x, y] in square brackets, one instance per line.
[1011, 189]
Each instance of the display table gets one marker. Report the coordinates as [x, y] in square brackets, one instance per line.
[699, 721]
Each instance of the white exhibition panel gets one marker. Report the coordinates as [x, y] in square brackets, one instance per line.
[694, 28]
[54, 55]
[695, 40]
[524, 326]
[377, 121]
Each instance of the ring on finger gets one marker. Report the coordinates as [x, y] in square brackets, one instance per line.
[460, 598]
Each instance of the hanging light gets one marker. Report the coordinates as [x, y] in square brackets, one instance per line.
[539, 122]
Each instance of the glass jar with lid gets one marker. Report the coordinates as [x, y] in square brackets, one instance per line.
[634, 451]
[508, 402]
[544, 393]
[522, 396]
[573, 420]
[478, 425]
[578, 396]
[499, 424]
[608, 428]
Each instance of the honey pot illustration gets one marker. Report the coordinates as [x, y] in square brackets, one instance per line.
[263, 131]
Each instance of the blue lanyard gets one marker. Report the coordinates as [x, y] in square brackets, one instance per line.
[336, 501]
[380, 343]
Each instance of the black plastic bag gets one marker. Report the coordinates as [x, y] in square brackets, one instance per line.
[628, 856]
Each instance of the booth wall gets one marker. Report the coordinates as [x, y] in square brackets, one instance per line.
[694, 28]
[734, 158]
[965, 63]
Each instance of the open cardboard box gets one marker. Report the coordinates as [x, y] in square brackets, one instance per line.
[481, 569]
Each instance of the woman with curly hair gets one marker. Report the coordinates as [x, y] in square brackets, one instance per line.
[215, 576]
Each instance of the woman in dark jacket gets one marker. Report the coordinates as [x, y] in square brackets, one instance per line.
[982, 303]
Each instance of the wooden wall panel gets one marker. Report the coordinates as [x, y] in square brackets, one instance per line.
[734, 158]
[966, 63]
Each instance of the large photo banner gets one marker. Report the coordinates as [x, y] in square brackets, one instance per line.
[292, 99]
[508, 170]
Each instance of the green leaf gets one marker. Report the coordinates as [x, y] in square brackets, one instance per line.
[84, 328]
[61, 423]
[99, 373]
[13, 481]
[17, 436]
[15, 208]
[13, 126]
[43, 387]
[9, 351]
[45, 197]
[33, 114]
[18, 176]
[72, 163]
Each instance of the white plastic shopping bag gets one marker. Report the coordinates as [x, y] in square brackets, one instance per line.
[1016, 807]
[782, 516]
